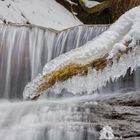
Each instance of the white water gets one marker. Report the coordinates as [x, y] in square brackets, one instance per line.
[25, 50]
[51, 120]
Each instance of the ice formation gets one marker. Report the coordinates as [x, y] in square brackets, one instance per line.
[121, 39]
[106, 133]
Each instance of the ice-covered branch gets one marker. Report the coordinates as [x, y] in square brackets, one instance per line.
[88, 68]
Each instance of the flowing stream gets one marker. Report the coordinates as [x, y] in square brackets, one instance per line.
[25, 50]
[23, 53]
[51, 120]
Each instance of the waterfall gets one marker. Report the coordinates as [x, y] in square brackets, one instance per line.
[51, 120]
[21, 56]
[24, 50]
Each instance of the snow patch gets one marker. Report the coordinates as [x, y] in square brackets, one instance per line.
[90, 3]
[116, 48]
[46, 13]
[71, 3]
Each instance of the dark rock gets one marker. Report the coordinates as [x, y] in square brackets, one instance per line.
[120, 111]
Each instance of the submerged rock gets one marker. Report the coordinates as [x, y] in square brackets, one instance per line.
[121, 112]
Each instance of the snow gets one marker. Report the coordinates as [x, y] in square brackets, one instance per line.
[109, 42]
[46, 13]
[90, 4]
[116, 48]
[71, 3]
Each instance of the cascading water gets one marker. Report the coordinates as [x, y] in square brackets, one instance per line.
[51, 120]
[20, 60]
[25, 50]
[35, 47]
[23, 53]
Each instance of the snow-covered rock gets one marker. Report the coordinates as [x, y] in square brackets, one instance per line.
[46, 13]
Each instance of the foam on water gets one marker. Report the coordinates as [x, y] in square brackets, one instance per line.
[51, 120]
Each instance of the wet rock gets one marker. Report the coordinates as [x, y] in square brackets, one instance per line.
[121, 112]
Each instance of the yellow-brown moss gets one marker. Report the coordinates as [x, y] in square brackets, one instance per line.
[73, 69]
